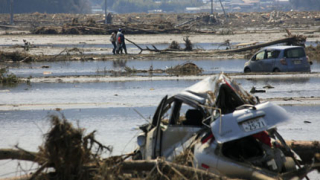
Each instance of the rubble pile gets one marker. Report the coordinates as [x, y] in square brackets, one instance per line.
[141, 23]
[16, 56]
[185, 69]
[313, 52]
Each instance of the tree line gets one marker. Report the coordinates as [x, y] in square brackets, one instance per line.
[128, 6]
[306, 5]
[46, 6]
[84, 6]
[120, 6]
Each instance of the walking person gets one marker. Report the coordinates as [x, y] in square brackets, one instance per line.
[118, 41]
[123, 42]
[113, 41]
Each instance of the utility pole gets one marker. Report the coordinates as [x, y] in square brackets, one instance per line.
[11, 12]
[224, 12]
[105, 11]
[211, 6]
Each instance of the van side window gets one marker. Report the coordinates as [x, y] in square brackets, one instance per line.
[260, 55]
[272, 54]
[294, 53]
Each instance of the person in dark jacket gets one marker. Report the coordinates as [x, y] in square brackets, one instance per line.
[121, 42]
[118, 42]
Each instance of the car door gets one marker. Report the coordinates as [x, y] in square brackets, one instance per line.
[153, 137]
[164, 139]
[269, 61]
[176, 135]
[256, 63]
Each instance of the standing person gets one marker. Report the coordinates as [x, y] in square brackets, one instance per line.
[118, 41]
[113, 41]
[123, 42]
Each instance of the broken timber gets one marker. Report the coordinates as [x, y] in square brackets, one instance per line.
[291, 40]
[152, 50]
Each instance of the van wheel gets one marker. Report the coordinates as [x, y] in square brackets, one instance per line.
[247, 70]
[276, 70]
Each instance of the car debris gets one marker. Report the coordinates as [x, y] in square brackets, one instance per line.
[228, 131]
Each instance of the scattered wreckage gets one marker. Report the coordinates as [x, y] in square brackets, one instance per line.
[228, 131]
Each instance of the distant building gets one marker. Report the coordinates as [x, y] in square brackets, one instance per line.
[155, 11]
[194, 9]
[97, 9]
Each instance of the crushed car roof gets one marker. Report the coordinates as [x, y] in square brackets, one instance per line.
[210, 87]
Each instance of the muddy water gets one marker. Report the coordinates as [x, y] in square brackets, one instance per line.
[133, 48]
[26, 128]
[108, 107]
[99, 67]
[134, 93]
[36, 69]
[286, 87]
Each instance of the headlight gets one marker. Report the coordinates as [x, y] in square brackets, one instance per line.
[141, 139]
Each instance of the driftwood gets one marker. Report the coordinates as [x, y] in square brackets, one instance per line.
[291, 40]
[188, 44]
[165, 167]
[17, 155]
[155, 49]
[305, 149]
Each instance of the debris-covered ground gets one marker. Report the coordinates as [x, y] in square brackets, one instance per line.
[45, 45]
[161, 23]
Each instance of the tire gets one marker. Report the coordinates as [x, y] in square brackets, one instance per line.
[247, 70]
[276, 70]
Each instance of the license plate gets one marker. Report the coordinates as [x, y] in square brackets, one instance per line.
[253, 124]
[297, 62]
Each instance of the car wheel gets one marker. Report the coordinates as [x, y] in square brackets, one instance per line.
[276, 70]
[247, 70]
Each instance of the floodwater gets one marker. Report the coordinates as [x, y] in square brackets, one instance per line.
[132, 47]
[35, 69]
[160, 46]
[135, 93]
[27, 128]
[24, 109]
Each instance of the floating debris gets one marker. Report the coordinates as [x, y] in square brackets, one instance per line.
[185, 69]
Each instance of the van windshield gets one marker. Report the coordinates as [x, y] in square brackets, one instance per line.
[294, 53]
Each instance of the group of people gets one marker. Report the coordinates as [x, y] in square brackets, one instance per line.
[118, 41]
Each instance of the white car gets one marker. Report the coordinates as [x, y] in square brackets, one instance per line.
[226, 128]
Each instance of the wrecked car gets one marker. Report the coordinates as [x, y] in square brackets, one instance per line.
[227, 129]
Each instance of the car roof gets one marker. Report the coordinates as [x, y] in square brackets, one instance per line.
[282, 47]
[210, 86]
